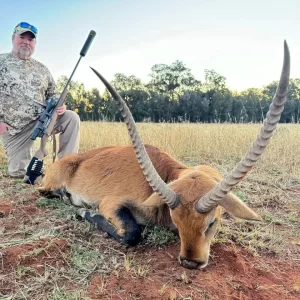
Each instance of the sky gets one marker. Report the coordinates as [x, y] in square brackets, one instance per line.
[240, 40]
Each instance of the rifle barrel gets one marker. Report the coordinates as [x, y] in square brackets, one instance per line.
[83, 52]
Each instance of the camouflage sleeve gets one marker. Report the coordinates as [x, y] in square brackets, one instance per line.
[51, 87]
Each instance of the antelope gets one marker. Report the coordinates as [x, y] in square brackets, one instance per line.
[138, 185]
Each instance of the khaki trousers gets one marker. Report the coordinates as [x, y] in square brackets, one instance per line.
[17, 147]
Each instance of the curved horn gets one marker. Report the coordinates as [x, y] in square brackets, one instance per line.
[153, 178]
[208, 201]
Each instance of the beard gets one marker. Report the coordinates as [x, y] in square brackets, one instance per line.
[24, 52]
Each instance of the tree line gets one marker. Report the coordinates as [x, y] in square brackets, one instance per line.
[173, 94]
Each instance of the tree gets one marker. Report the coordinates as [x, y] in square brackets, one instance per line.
[216, 93]
[97, 104]
[121, 82]
[135, 94]
[214, 81]
[252, 102]
[171, 79]
[193, 107]
[77, 97]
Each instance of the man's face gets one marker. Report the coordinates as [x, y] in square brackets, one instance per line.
[23, 45]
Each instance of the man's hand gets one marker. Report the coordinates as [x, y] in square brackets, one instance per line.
[61, 110]
[4, 128]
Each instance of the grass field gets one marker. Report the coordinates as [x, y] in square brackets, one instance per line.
[45, 253]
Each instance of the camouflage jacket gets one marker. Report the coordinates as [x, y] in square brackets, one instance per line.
[21, 83]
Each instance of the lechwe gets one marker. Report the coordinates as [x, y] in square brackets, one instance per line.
[135, 186]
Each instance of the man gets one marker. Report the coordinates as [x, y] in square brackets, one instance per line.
[25, 84]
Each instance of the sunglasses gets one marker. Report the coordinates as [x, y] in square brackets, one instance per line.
[28, 26]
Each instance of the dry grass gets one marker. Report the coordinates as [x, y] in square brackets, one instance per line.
[217, 144]
[221, 145]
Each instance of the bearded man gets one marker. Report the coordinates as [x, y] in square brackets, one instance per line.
[25, 86]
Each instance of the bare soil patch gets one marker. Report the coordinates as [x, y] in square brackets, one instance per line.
[232, 274]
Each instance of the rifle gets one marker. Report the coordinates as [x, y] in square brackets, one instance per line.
[45, 124]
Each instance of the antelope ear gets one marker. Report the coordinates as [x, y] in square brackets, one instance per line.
[153, 201]
[238, 208]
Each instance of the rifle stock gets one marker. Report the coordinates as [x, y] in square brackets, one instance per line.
[42, 151]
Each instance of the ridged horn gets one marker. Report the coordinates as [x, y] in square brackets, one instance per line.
[158, 185]
[210, 200]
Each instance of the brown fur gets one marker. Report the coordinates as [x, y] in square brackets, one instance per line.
[111, 178]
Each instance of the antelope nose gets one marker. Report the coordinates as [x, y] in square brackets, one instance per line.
[191, 264]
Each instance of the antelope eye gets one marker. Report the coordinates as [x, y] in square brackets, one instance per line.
[212, 224]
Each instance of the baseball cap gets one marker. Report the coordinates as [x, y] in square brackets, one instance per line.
[26, 27]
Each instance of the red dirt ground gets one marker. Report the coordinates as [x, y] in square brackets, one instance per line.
[43, 252]
[233, 272]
